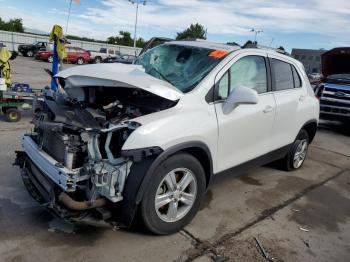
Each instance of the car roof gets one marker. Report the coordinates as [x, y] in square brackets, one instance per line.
[205, 44]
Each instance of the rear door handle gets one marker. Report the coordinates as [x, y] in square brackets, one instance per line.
[268, 109]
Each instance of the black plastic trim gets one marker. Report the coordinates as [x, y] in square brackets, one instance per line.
[312, 121]
[141, 174]
[259, 161]
[139, 154]
[165, 155]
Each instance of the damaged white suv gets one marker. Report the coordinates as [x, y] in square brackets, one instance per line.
[149, 137]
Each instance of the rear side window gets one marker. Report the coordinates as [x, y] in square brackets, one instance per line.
[283, 75]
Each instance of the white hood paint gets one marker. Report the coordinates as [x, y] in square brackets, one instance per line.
[118, 75]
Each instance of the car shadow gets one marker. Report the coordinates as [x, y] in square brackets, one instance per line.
[341, 128]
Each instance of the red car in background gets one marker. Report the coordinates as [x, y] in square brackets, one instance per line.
[73, 55]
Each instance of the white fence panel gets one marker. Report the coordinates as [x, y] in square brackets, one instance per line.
[12, 40]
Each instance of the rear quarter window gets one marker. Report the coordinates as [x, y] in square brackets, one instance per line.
[297, 79]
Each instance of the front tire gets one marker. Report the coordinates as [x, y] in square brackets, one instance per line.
[80, 61]
[174, 194]
[297, 153]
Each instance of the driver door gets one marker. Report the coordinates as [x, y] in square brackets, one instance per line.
[244, 134]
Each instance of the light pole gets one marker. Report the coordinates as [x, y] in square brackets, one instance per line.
[256, 31]
[136, 2]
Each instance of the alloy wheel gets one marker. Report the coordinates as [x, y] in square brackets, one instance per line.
[175, 195]
[300, 153]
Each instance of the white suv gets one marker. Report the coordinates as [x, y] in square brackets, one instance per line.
[149, 137]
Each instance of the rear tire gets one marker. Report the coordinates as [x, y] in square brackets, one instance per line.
[30, 53]
[173, 195]
[297, 153]
[13, 115]
[98, 60]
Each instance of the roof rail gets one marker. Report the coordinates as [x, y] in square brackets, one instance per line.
[255, 45]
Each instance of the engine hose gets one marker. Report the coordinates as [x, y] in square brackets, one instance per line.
[80, 205]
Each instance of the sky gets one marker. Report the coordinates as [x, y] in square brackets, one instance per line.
[312, 24]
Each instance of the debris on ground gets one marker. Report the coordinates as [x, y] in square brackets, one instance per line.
[304, 229]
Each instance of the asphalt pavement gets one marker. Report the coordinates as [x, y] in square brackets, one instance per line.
[294, 216]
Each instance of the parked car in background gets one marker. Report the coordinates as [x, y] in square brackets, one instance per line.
[153, 42]
[148, 138]
[31, 50]
[98, 57]
[124, 59]
[334, 91]
[73, 55]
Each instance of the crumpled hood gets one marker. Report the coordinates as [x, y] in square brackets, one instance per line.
[118, 75]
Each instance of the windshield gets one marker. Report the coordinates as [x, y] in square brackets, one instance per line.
[182, 66]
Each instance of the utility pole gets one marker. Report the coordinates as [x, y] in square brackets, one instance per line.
[70, 7]
[136, 2]
[256, 32]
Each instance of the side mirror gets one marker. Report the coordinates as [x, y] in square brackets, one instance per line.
[239, 96]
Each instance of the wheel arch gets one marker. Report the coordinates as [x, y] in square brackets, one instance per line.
[311, 128]
[141, 174]
[195, 148]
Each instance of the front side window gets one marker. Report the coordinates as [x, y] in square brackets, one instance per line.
[182, 66]
[283, 75]
[249, 71]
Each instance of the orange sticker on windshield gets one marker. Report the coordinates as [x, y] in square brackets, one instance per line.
[218, 54]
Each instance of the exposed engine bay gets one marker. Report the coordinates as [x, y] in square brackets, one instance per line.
[76, 142]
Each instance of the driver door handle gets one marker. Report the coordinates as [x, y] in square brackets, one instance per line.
[268, 109]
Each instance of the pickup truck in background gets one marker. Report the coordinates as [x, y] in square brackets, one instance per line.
[334, 91]
[32, 49]
[98, 57]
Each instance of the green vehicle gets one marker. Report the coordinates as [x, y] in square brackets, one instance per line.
[12, 103]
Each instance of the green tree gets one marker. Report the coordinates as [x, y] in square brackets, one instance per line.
[232, 43]
[250, 43]
[195, 31]
[13, 25]
[111, 40]
[281, 48]
[140, 42]
[124, 38]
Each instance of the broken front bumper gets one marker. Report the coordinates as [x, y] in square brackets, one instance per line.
[65, 178]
